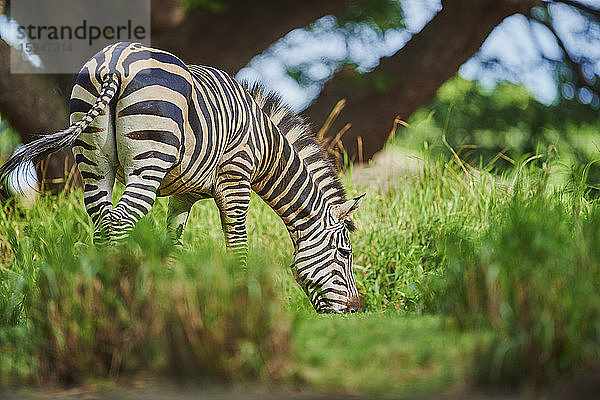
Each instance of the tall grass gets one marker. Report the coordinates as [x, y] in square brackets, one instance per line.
[400, 223]
[74, 312]
[510, 260]
[531, 278]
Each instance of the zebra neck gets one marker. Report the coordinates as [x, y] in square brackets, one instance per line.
[285, 183]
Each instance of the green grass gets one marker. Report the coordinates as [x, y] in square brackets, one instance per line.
[398, 227]
[381, 353]
[425, 245]
[531, 277]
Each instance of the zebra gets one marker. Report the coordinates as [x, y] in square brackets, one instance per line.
[191, 132]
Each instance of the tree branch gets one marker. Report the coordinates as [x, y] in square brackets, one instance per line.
[575, 66]
[582, 7]
[413, 75]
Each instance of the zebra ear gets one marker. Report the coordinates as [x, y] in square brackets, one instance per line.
[343, 211]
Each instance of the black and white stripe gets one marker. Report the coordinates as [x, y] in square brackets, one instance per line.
[165, 128]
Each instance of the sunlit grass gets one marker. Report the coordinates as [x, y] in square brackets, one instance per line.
[403, 343]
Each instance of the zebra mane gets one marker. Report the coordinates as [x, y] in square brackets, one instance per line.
[298, 131]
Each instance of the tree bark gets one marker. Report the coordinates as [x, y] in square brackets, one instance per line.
[228, 40]
[33, 106]
[412, 76]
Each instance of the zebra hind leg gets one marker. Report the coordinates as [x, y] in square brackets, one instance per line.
[96, 159]
[137, 200]
[97, 197]
[146, 160]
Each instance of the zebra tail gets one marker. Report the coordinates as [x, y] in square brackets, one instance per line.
[48, 144]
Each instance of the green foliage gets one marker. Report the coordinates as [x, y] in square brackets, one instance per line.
[530, 277]
[399, 223]
[380, 14]
[480, 123]
[380, 354]
[512, 262]
[9, 140]
[378, 80]
[95, 316]
[364, 23]
[224, 322]
[216, 6]
[190, 312]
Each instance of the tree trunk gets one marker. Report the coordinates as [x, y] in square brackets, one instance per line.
[33, 106]
[412, 76]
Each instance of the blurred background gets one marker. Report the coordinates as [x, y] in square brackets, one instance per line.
[498, 79]
[472, 272]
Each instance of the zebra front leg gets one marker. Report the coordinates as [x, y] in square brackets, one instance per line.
[177, 216]
[233, 199]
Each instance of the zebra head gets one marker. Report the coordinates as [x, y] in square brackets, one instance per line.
[323, 261]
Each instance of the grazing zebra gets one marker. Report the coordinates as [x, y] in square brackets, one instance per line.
[165, 128]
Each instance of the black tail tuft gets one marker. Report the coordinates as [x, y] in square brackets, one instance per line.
[37, 150]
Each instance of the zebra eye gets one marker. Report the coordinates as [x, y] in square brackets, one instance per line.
[345, 251]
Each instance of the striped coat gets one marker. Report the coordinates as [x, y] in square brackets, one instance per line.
[164, 128]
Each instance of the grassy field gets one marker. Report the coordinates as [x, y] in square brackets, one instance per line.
[466, 279]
